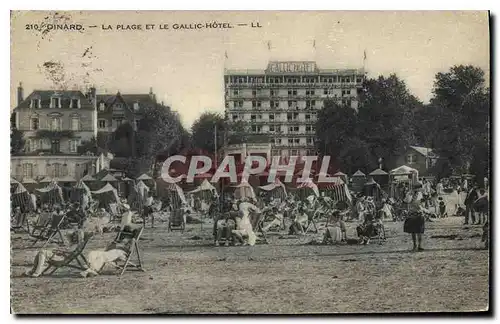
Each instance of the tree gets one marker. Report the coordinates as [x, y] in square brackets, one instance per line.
[16, 141]
[203, 132]
[386, 117]
[461, 105]
[159, 133]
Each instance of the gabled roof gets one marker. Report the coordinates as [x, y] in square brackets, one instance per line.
[144, 100]
[423, 151]
[65, 95]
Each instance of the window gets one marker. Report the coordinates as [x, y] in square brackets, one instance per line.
[309, 140]
[411, 158]
[240, 103]
[118, 105]
[292, 92]
[73, 145]
[308, 128]
[35, 103]
[271, 116]
[55, 124]
[259, 116]
[290, 141]
[235, 117]
[102, 123]
[75, 123]
[28, 170]
[118, 122]
[273, 93]
[136, 106]
[272, 128]
[308, 117]
[55, 102]
[275, 152]
[137, 122]
[75, 103]
[296, 140]
[293, 152]
[274, 104]
[236, 92]
[235, 104]
[289, 116]
[55, 146]
[102, 106]
[57, 170]
[35, 123]
[278, 141]
[254, 93]
[253, 117]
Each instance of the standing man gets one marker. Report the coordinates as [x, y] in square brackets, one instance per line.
[471, 197]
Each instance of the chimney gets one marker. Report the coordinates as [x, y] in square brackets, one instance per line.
[20, 93]
[151, 94]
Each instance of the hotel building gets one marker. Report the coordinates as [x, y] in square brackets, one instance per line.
[282, 101]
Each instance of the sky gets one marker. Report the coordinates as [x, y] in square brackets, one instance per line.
[185, 67]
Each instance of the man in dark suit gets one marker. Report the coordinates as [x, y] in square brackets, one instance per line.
[469, 202]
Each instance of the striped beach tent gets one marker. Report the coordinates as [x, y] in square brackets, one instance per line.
[22, 198]
[338, 192]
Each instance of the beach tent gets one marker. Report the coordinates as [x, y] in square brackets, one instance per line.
[275, 189]
[51, 194]
[306, 188]
[338, 192]
[106, 195]
[401, 179]
[78, 190]
[23, 199]
[244, 189]
[358, 181]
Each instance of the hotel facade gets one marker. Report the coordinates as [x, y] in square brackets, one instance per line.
[282, 101]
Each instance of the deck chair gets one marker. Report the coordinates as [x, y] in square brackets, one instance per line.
[312, 217]
[21, 223]
[74, 256]
[176, 221]
[133, 233]
[258, 224]
[52, 231]
[41, 224]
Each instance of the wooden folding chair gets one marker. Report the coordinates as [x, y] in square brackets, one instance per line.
[176, 221]
[257, 226]
[51, 231]
[21, 223]
[133, 233]
[71, 257]
[312, 217]
[41, 224]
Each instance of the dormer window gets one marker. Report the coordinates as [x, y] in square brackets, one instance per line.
[35, 103]
[55, 102]
[136, 106]
[102, 106]
[75, 103]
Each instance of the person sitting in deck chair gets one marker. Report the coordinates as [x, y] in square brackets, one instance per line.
[277, 217]
[74, 237]
[336, 230]
[300, 220]
[224, 225]
[371, 227]
[244, 227]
